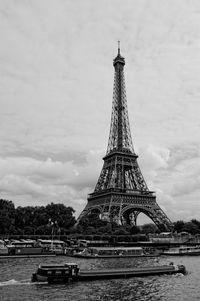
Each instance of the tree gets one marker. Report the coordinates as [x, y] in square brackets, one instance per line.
[61, 214]
[191, 228]
[44, 220]
[197, 223]
[179, 226]
[92, 223]
[149, 228]
[7, 216]
[24, 217]
[134, 230]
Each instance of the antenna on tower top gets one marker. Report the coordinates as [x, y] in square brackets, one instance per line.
[118, 47]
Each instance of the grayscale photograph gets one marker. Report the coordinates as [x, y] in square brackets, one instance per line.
[99, 150]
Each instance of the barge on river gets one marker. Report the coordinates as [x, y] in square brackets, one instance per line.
[70, 272]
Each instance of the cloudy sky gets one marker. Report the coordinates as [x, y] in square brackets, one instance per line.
[56, 82]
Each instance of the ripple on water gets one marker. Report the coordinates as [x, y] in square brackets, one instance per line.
[15, 282]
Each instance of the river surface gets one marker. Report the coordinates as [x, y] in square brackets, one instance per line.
[15, 285]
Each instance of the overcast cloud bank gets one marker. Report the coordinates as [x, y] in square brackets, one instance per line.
[56, 95]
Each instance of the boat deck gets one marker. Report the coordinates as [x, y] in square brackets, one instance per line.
[129, 272]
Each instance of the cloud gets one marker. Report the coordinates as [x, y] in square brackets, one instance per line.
[56, 91]
[186, 170]
[184, 152]
[49, 180]
[17, 185]
[174, 176]
[155, 157]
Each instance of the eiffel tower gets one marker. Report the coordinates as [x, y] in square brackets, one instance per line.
[121, 192]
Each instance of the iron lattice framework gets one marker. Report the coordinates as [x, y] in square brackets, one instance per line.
[121, 192]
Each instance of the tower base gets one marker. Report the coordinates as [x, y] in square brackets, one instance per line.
[123, 208]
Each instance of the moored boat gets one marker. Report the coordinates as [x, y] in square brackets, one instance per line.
[183, 250]
[71, 272]
[23, 249]
[3, 248]
[114, 252]
[55, 246]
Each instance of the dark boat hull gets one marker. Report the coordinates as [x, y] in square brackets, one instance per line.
[182, 254]
[27, 256]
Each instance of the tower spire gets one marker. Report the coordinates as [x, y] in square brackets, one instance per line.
[118, 47]
[120, 134]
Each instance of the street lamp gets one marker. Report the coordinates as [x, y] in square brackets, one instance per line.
[53, 225]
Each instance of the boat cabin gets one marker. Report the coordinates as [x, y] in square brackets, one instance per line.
[56, 246]
[56, 273]
[22, 243]
[23, 247]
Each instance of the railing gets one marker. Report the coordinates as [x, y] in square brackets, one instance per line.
[120, 190]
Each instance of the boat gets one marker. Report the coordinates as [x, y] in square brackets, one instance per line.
[68, 272]
[3, 248]
[114, 252]
[24, 249]
[183, 250]
[55, 246]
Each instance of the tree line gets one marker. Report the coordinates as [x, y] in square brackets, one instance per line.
[38, 220]
[58, 219]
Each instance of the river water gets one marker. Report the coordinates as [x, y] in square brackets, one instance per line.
[15, 285]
